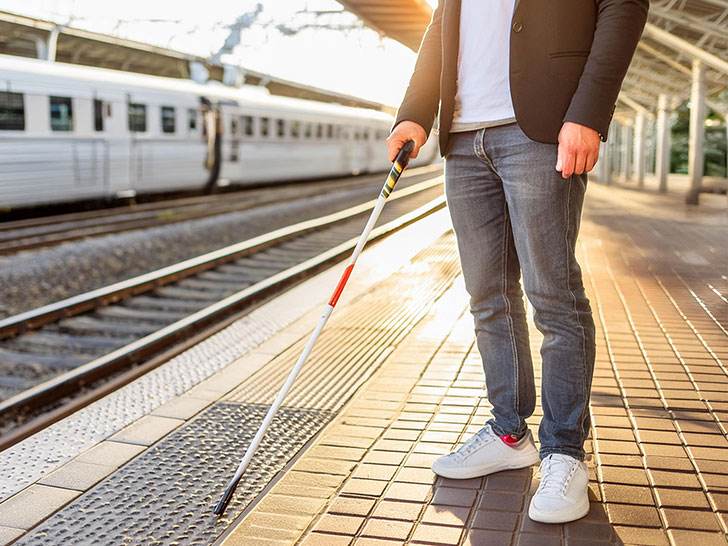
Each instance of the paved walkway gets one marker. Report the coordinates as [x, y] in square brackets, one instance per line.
[655, 272]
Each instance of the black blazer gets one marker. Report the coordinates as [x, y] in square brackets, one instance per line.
[567, 62]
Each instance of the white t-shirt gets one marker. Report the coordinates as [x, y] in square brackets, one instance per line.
[483, 86]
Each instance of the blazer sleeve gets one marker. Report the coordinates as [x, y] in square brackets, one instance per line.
[619, 26]
[421, 100]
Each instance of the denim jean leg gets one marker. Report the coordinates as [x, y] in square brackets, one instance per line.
[545, 213]
[491, 272]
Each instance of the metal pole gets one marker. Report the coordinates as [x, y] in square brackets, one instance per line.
[662, 161]
[400, 164]
[697, 133]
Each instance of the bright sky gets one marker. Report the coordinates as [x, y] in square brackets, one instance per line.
[356, 61]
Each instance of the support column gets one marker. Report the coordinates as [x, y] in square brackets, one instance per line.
[53, 42]
[639, 147]
[697, 133]
[604, 163]
[626, 160]
[662, 161]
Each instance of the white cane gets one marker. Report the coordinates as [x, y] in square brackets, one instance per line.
[400, 164]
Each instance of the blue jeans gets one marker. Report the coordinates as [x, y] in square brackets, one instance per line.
[513, 212]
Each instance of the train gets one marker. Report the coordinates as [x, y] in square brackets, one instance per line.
[75, 133]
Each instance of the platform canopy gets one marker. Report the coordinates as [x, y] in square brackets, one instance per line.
[677, 32]
[401, 20]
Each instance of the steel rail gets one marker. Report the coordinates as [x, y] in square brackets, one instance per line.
[207, 320]
[29, 320]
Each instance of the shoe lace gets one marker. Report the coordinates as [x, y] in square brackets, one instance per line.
[484, 436]
[556, 472]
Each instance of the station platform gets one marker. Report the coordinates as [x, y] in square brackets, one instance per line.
[395, 381]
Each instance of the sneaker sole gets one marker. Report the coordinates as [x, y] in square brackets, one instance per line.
[464, 473]
[561, 516]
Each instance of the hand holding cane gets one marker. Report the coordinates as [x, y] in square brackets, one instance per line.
[400, 164]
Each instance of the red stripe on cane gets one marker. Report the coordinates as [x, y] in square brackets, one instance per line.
[341, 285]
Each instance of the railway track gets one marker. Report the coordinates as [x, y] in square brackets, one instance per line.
[33, 233]
[60, 357]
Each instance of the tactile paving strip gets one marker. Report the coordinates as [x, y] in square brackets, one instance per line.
[360, 338]
[166, 495]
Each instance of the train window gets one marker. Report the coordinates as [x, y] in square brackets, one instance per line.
[357, 133]
[295, 128]
[281, 128]
[248, 125]
[264, 126]
[191, 119]
[366, 133]
[330, 131]
[319, 130]
[307, 129]
[234, 126]
[12, 111]
[98, 115]
[168, 119]
[137, 117]
[61, 114]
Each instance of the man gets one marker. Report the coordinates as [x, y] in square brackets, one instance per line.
[526, 89]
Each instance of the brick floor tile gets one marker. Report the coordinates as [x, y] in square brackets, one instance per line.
[454, 496]
[417, 475]
[446, 515]
[336, 452]
[364, 487]
[659, 437]
[398, 510]
[628, 494]
[375, 471]
[387, 528]
[582, 528]
[659, 462]
[630, 476]
[384, 457]
[721, 501]
[677, 518]
[707, 440]
[530, 526]
[283, 504]
[408, 491]
[509, 502]
[682, 537]
[681, 498]
[368, 541]
[472, 483]
[400, 434]
[608, 433]
[507, 481]
[321, 539]
[664, 478]
[613, 459]
[324, 466]
[626, 514]
[343, 525]
[437, 534]
[642, 536]
[499, 521]
[716, 482]
[353, 506]
[483, 537]
[531, 539]
[713, 453]
[664, 450]
[419, 460]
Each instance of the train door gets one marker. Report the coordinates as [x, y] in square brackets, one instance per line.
[212, 133]
[136, 123]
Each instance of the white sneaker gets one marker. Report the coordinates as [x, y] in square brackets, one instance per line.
[563, 493]
[486, 453]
